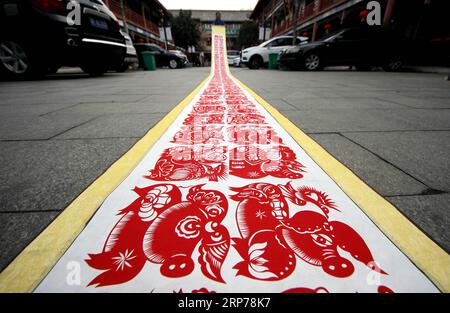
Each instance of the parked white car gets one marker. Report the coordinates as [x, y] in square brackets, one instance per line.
[255, 57]
[237, 62]
[231, 55]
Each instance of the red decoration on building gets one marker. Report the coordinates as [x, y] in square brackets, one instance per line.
[363, 13]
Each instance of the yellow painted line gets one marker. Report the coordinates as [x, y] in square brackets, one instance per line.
[420, 249]
[37, 259]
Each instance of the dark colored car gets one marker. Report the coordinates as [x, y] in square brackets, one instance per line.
[361, 47]
[36, 37]
[162, 56]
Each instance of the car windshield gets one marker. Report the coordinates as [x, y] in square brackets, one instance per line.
[265, 43]
[232, 53]
[156, 48]
[331, 37]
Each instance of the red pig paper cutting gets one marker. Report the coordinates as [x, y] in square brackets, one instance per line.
[227, 201]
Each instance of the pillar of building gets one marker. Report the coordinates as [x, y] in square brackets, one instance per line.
[314, 33]
[388, 13]
[143, 15]
[343, 16]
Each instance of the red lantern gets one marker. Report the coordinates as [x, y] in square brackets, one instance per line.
[305, 34]
[363, 14]
[328, 26]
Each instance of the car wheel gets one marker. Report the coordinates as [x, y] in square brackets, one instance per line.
[255, 62]
[393, 64]
[17, 62]
[173, 64]
[312, 62]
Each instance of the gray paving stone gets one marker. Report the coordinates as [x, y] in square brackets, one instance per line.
[430, 213]
[281, 104]
[422, 102]
[341, 103]
[114, 126]
[380, 175]
[48, 175]
[347, 120]
[96, 109]
[425, 155]
[32, 127]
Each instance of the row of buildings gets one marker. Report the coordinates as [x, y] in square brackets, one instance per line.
[233, 21]
[143, 18]
[314, 17]
[424, 21]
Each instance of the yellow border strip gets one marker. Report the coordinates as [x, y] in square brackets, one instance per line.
[420, 249]
[36, 260]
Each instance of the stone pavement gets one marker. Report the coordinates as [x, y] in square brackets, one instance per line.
[57, 135]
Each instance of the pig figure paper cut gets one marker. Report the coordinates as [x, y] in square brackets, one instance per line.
[161, 228]
[253, 162]
[271, 236]
[190, 163]
[171, 239]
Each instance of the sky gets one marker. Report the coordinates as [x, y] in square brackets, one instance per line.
[210, 4]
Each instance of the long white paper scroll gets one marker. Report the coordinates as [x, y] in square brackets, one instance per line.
[227, 201]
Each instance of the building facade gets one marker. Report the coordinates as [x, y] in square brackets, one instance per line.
[233, 21]
[423, 22]
[143, 19]
[313, 18]
[316, 17]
